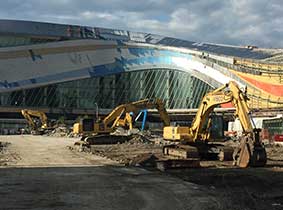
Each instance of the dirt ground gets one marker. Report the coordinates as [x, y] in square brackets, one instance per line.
[44, 151]
[233, 188]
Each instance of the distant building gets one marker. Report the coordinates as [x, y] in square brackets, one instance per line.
[72, 69]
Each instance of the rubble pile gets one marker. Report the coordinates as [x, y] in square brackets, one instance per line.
[3, 145]
[3, 157]
[60, 131]
[275, 152]
[139, 139]
[139, 150]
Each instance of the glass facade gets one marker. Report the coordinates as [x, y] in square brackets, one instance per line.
[178, 89]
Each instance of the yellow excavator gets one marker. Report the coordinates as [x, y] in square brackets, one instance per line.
[120, 117]
[194, 140]
[36, 128]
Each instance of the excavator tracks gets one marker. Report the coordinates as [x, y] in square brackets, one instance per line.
[200, 150]
[106, 139]
[189, 156]
[181, 151]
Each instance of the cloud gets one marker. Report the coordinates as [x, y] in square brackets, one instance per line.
[239, 22]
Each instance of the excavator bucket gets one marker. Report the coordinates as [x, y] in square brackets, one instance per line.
[244, 154]
[250, 152]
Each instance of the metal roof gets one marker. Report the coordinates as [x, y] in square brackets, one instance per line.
[63, 32]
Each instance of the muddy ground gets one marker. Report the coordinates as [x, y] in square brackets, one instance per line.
[227, 186]
[251, 188]
[139, 146]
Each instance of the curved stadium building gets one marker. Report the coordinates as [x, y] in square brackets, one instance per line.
[73, 69]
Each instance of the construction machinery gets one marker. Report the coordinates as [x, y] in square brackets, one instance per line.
[194, 140]
[36, 127]
[120, 117]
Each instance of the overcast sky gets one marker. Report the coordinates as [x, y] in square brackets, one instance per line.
[239, 22]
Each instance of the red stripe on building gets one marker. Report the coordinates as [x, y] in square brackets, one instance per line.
[276, 90]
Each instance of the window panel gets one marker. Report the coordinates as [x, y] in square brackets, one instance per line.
[178, 90]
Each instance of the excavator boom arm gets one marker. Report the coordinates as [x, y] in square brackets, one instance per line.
[27, 113]
[218, 97]
[242, 110]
